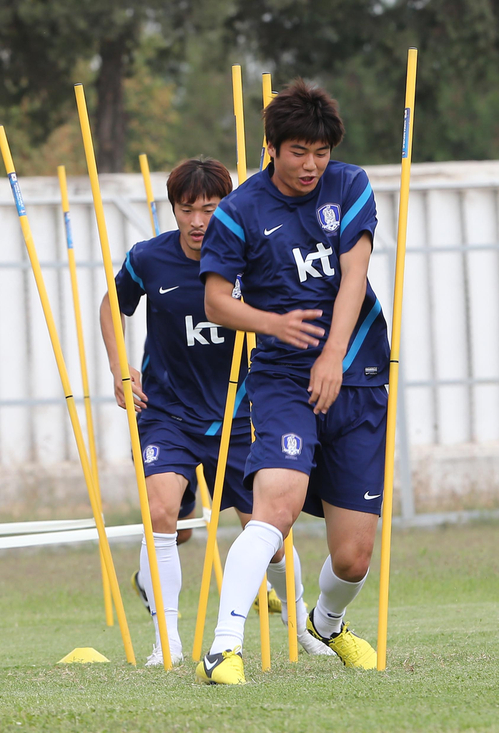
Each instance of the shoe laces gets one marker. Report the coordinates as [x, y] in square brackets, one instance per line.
[156, 655]
[236, 652]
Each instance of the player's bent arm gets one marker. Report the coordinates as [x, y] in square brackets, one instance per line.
[107, 329]
[326, 375]
[230, 312]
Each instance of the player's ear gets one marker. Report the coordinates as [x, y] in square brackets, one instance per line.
[271, 150]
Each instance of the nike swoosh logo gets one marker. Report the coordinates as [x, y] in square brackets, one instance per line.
[268, 232]
[367, 496]
[210, 665]
[168, 290]
[233, 613]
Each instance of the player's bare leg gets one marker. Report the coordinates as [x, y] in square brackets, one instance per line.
[350, 537]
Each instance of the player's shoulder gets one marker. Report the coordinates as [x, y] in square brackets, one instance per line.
[243, 197]
[149, 247]
[347, 172]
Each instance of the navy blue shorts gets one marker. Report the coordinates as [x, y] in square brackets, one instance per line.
[167, 447]
[343, 451]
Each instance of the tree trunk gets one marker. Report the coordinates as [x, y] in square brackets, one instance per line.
[111, 121]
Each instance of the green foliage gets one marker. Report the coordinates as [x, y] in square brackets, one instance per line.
[358, 50]
[172, 61]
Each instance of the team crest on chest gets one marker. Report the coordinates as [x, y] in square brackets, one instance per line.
[291, 444]
[329, 217]
[151, 454]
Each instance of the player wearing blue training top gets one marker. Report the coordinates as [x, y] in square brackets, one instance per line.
[185, 371]
[301, 235]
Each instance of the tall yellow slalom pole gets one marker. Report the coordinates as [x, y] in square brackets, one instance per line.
[205, 501]
[125, 374]
[61, 172]
[203, 488]
[268, 95]
[237, 92]
[394, 356]
[217, 495]
[151, 203]
[73, 414]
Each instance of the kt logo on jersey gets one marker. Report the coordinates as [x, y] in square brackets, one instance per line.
[329, 217]
[193, 332]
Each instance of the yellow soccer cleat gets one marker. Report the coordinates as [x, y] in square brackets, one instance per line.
[351, 649]
[273, 600]
[225, 668]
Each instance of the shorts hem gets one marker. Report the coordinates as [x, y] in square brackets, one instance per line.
[353, 507]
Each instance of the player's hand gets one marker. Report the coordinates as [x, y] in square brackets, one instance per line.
[326, 377]
[139, 397]
[292, 328]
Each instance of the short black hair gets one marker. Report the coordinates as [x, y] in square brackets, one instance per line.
[303, 112]
[197, 177]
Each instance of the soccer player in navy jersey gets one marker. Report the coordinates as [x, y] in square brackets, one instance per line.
[180, 399]
[301, 234]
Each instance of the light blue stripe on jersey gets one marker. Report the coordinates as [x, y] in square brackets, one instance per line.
[354, 210]
[132, 272]
[145, 363]
[215, 426]
[222, 216]
[361, 335]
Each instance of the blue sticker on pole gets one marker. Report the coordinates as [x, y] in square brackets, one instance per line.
[405, 136]
[69, 233]
[18, 197]
[155, 218]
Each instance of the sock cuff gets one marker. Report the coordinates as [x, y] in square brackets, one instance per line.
[274, 535]
[279, 566]
[162, 540]
[349, 583]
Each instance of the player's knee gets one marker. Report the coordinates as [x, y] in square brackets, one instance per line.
[351, 566]
[183, 535]
[163, 518]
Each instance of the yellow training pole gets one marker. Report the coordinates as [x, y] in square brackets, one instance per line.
[237, 92]
[267, 97]
[203, 488]
[61, 172]
[125, 374]
[73, 414]
[263, 606]
[205, 501]
[237, 89]
[288, 542]
[394, 356]
[151, 203]
[291, 597]
[217, 495]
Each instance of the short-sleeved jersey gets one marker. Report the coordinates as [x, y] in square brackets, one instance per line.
[287, 250]
[187, 359]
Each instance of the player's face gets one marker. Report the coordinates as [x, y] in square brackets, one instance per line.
[192, 220]
[299, 166]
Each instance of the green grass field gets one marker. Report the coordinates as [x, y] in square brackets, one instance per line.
[443, 649]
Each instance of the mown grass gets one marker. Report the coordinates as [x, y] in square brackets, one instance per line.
[442, 673]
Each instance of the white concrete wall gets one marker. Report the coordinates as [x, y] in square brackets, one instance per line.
[450, 324]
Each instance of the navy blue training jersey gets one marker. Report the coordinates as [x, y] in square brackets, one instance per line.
[287, 250]
[186, 365]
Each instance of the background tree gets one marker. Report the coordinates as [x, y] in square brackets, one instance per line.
[158, 78]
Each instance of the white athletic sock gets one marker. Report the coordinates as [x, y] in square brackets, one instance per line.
[335, 596]
[245, 567]
[170, 577]
[276, 573]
